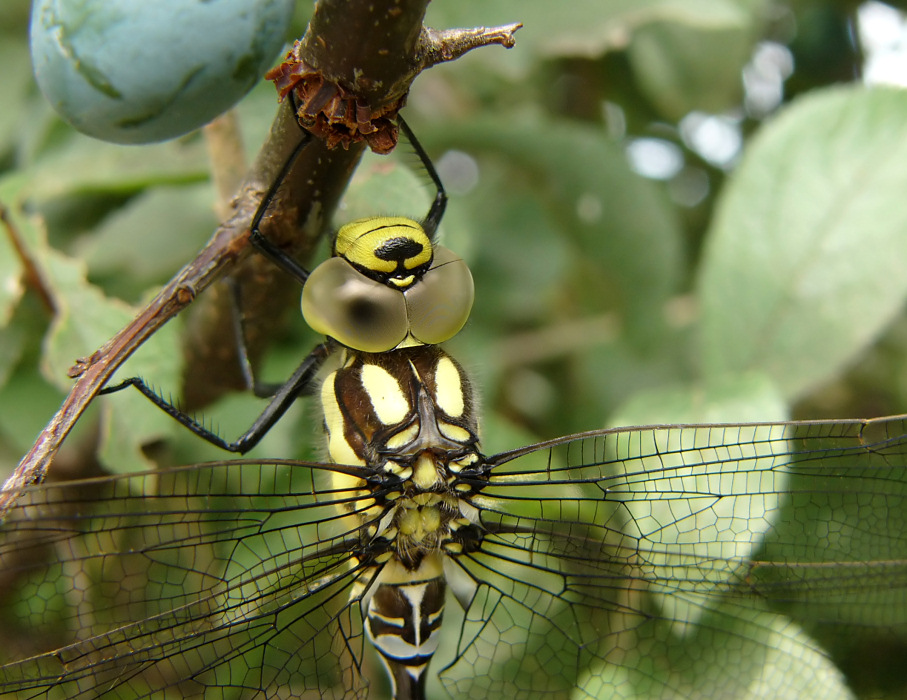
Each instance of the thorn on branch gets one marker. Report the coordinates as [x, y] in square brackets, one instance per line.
[439, 46]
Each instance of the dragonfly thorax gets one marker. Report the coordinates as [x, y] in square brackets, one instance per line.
[408, 417]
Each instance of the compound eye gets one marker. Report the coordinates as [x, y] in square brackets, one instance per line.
[439, 305]
[340, 302]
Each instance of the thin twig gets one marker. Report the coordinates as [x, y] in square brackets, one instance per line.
[228, 159]
[438, 46]
[32, 272]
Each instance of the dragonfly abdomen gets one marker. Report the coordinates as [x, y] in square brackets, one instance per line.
[402, 612]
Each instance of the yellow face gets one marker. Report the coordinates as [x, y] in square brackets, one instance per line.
[392, 246]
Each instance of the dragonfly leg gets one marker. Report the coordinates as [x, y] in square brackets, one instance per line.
[298, 384]
[258, 239]
[282, 395]
[262, 390]
[440, 203]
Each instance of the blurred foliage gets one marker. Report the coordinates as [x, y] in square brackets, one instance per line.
[762, 282]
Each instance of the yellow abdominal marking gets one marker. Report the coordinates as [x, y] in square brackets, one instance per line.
[431, 567]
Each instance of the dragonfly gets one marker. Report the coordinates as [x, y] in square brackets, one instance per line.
[712, 561]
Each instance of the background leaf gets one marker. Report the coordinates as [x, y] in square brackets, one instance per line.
[804, 265]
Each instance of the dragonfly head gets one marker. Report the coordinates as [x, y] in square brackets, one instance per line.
[388, 286]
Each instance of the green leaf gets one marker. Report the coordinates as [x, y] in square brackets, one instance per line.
[804, 263]
[676, 67]
[85, 319]
[626, 235]
[11, 283]
[15, 86]
[149, 238]
[84, 165]
[129, 421]
[738, 399]
[735, 652]
[28, 401]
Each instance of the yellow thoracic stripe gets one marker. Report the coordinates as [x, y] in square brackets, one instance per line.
[449, 388]
[387, 398]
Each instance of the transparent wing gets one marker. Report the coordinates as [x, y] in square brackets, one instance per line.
[211, 581]
[701, 561]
